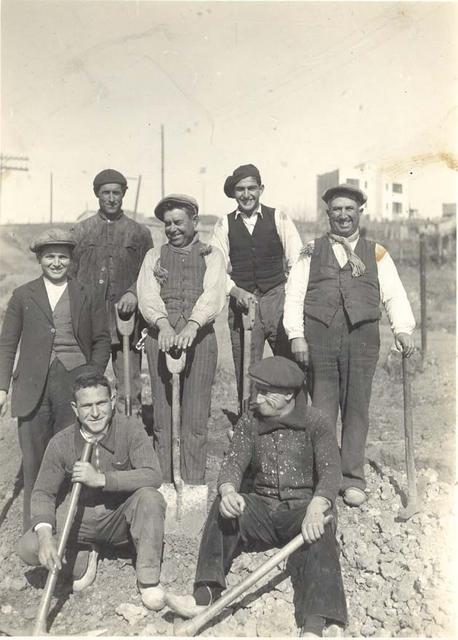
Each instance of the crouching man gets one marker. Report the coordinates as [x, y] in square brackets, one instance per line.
[119, 499]
[296, 480]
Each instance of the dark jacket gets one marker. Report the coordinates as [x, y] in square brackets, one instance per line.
[108, 256]
[126, 457]
[29, 319]
[293, 458]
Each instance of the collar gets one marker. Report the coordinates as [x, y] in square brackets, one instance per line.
[258, 212]
[353, 238]
[103, 217]
[295, 419]
[107, 441]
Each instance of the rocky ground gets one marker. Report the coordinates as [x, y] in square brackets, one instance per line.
[398, 576]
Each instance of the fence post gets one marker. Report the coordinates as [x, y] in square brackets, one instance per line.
[423, 256]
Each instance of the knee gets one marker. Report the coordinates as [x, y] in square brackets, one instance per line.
[27, 548]
[149, 498]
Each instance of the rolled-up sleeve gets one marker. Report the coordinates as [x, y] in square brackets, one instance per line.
[393, 296]
[295, 291]
[150, 303]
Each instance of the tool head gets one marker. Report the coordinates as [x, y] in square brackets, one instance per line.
[186, 513]
[124, 326]
[175, 360]
[405, 513]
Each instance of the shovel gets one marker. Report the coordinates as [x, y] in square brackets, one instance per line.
[193, 626]
[186, 504]
[412, 507]
[248, 324]
[125, 328]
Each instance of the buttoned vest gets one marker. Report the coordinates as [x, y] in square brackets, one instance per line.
[331, 285]
[65, 347]
[184, 283]
[256, 259]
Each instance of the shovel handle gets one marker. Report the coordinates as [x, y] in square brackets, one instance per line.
[127, 381]
[191, 627]
[45, 602]
[408, 429]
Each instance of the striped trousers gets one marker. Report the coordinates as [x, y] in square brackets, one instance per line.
[196, 385]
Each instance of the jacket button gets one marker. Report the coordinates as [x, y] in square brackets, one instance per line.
[53, 330]
[101, 281]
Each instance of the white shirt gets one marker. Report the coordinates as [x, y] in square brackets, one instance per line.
[207, 306]
[54, 291]
[392, 293]
[286, 229]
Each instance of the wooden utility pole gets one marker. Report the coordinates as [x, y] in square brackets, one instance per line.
[162, 160]
[50, 197]
[423, 256]
[137, 195]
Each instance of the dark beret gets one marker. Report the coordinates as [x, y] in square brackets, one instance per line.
[244, 171]
[345, 190]
[175, 200]
[278, 372]
[109, 176]
[52, 236]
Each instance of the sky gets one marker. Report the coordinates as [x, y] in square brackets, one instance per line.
[297, 88]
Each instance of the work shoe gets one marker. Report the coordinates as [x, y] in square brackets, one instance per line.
[152, 597]
[85, 568]
[185, 606]
[354, 497]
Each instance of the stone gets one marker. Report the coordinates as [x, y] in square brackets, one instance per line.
[131, 612]
[7, 609]
[390, 570]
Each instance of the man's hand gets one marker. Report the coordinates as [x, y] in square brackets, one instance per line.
[84, 472]
[167, 336]
[3, 402]
[242, 297]
[405, 343]
[232, 503]
[300, 351]
[127, 304]
[187, 335]
[47, 549]
[313, 522]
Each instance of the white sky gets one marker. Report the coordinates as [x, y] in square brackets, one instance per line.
[297, 88]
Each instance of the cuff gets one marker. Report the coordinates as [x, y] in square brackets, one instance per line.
[198, 318]
[328, 494]
[295, 334]
[42, 519]
[42, 525]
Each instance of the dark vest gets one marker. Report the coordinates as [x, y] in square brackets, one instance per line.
[184, 283]
[257, 260]
[65, 347]
[330, 285]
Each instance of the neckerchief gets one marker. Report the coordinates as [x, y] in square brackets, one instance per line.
[357, 265]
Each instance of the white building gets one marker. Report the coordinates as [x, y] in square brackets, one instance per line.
[386, 199]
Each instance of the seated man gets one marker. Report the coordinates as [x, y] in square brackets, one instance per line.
[119, 496]
[296, 480]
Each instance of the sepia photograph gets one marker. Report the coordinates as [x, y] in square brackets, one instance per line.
[228, 318]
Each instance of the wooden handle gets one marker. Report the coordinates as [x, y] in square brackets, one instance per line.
[408, 428]
[127, 381]
[45, 602]
[191, 627]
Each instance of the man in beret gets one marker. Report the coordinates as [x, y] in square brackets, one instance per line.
[332, 312]
[180, 293]
[61, 329]
[109, 251]
[257, 242]
[296, 480]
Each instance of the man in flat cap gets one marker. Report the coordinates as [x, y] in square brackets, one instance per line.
[180, 293]
[61, 329]
[296, 480]
[257, 243]
[332, 312]
[107, 258]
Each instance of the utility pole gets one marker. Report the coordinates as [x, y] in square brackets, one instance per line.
[50, 198]
[5, 166]
[137, 195]
[162, 160]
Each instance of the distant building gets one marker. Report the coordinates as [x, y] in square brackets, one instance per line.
[386, 199]
[449, 209]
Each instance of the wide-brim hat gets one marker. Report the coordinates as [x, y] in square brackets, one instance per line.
[244, 171]
[109, 176]
[175, 200]
[346, 190]
[53, 236]
[278, 372]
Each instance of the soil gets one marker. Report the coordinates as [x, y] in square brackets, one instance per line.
[398, 576]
